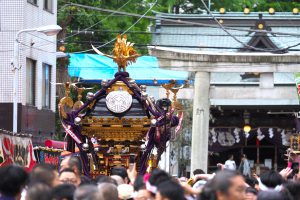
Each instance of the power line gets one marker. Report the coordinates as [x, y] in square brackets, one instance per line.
[185, 22]
[140, 17]
[281, 50]
[79, 31]
[179, 46]
[99, 21]
[196, 34]
[33, 47]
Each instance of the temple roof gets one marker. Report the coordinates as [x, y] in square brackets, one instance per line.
[200, 36]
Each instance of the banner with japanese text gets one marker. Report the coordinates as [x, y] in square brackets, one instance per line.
[16, 150]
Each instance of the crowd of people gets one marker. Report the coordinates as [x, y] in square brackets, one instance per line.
[230, 182]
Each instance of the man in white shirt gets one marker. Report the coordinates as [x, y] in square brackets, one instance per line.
[230, 163]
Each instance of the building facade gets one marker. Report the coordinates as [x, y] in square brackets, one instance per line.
[37, 66]
[264, 100]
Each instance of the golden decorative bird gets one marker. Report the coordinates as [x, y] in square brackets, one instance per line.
[123, 53]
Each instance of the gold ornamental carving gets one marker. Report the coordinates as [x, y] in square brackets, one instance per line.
[66, 103]
[78, 103]
[123, 53]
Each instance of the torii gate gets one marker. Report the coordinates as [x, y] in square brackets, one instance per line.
[203, 63]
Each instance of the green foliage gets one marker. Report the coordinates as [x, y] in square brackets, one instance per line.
[229, 5]
[105, 26]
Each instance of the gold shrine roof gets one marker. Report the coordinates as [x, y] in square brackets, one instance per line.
[132, 129]
[115, 121]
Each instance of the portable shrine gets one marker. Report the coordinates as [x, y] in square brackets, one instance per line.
[120, 121]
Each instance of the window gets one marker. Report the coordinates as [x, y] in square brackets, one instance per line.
[30, 81]
[34, 2]
[48, 5]
[46, 87]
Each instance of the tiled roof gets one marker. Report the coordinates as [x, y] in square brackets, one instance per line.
[194, 36]
[199, 37]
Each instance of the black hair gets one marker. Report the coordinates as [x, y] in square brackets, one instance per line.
[42, 173]
[67, 170]
[63, 192]
[293, 188]
[85, 180]
[139, 183]
[75, 161]
[105, 179]
[13, 179]
[171, 190]
[39, 191]
[271, 178]
[87, 192]
[108, 191]
[158, 176]
[198, 171]
[120, 171]
[221, 182]
[251, 190]
[250, 181]
[272, 195]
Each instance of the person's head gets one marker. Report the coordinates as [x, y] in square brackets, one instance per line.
[169, 190]
[270, 180]
[251, 181]
[198, 171]
[119, 180]
[44, 173]
[158, 176]
[143, 194]
[139, 183]
[125, 191]
[63, 191]
[64, 163]
[122, 172]
[243, 157]
[226, 185]
[108, 191]
[85, 180]
[230, 157]
[72, 162]
[69, 176]
[87, 192]
[251, 193]
[293, 188]
[12, 180]
[105, 179]
[38, 191]
[272, 195]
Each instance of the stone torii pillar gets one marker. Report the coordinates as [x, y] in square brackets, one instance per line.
[205, 62]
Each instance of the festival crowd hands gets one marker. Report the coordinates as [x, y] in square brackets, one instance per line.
[45, 182]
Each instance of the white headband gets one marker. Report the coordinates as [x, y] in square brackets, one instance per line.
[263, 187]
[151, 188]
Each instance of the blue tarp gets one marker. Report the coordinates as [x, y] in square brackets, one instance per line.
[97, 67]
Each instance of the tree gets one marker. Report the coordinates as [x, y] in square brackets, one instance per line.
[255, 5]
[102, 26]
[196, 6]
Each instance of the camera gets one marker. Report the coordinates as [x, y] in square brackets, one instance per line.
[164, 103]
[131, 158]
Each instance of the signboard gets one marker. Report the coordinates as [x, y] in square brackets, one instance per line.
[16, 150]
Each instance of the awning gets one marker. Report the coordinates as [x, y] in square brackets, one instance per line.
[96, 67]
